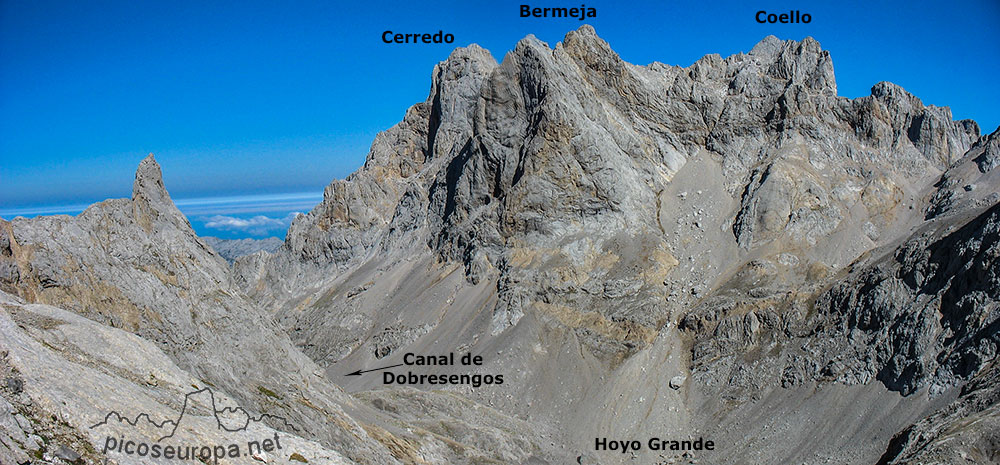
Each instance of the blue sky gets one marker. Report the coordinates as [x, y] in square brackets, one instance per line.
[260, 100]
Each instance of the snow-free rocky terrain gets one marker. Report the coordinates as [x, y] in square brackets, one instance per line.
[727, 251]
[231, 249]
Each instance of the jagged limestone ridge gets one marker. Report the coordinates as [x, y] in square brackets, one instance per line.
[552, 145]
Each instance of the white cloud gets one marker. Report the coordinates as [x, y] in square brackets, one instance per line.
[258, 225]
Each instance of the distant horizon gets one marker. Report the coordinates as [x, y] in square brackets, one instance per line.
[254, 216]
[263, 100]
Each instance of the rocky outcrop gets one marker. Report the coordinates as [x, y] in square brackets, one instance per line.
[922, 314]
[967, 183]
[927, 315]
[963, 432]
[64, 374]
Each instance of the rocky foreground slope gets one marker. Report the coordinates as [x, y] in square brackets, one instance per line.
[727, 251]
[231, 249]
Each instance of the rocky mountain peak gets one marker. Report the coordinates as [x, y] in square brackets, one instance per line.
[772, 46]
[797, 62]
[471, 53]
[584, 42]
[150, 200]
[149, 181]
[463, 66]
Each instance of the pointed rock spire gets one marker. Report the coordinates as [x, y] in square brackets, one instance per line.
[150, 199]
[149, 182]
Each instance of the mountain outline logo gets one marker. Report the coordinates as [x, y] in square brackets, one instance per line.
[222, 424]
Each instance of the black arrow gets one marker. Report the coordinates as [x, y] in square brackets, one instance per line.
[358, 373]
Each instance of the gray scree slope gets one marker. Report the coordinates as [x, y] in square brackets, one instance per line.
[728, 251]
